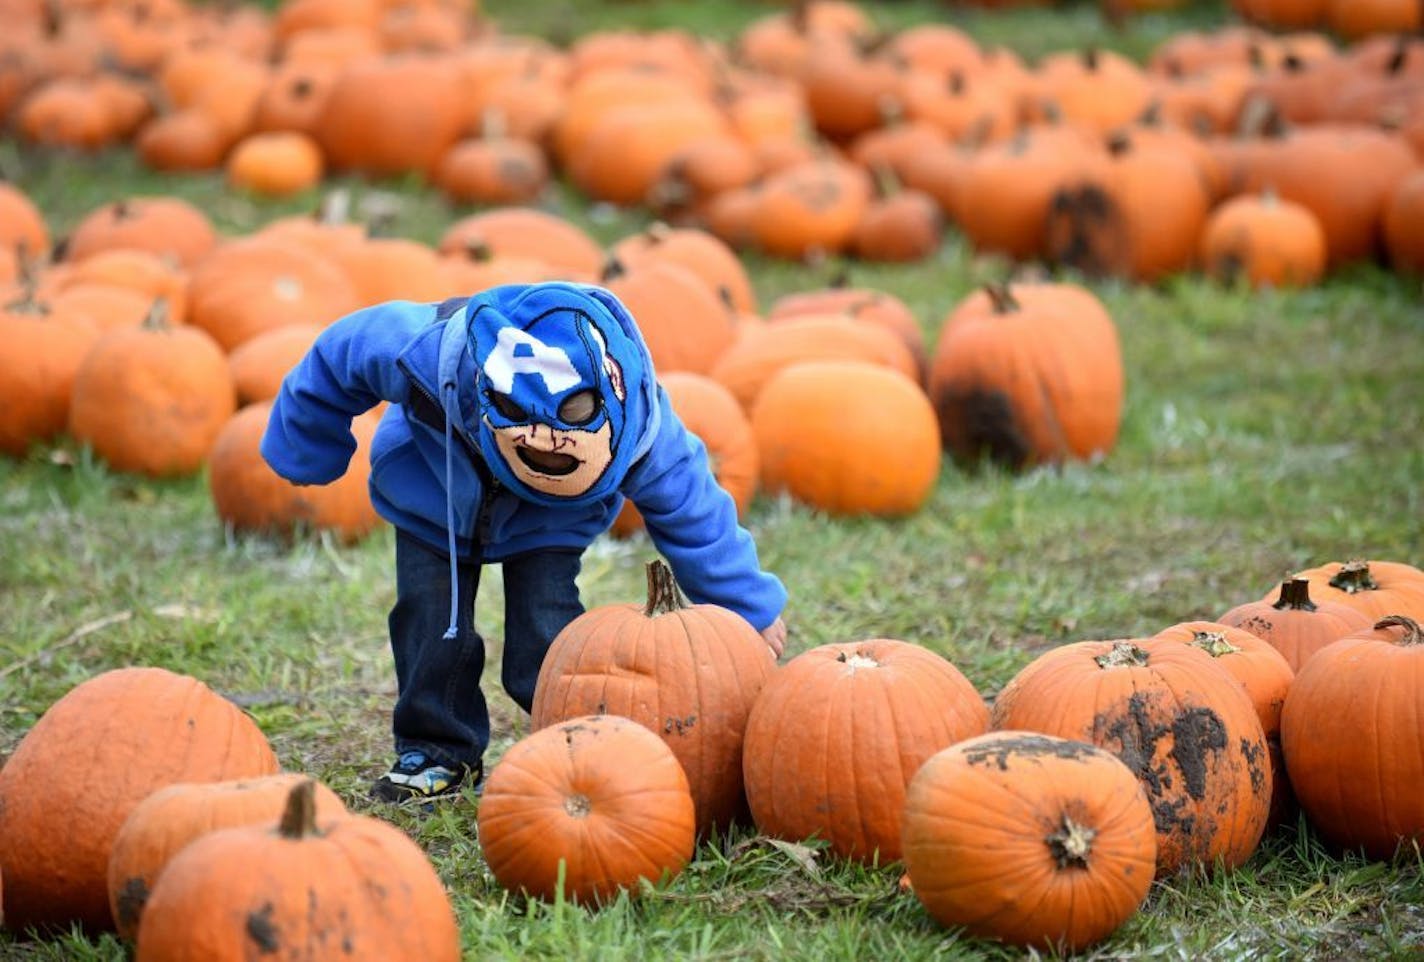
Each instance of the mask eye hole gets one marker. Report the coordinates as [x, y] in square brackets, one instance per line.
[506, 407]
[579, 408]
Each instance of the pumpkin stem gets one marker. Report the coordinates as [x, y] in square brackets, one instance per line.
[1354, 576]
[299, 815]
[1124, 654]
[1072, 844]
[1214, 643]
[157, 317]
[1119, 144]
[857, 659]
[663, 594]
[1399, 57]
[1002, 298]
[657, 232]
[1295, 595]
[957, 83]
[1413, 634]
[613, 269]
[1091, 59]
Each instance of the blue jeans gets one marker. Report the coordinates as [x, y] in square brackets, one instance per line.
[440, 709]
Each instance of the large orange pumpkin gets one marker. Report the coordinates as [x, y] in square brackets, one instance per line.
[686, 326]
[526, 232]
[131, 731]
[847, 437]
[259, 365]
[351, 887]
[837, 734]
[167, 226]
[1181, 723]
[249, 496]
[688, 672]
[169, 819]
[1029, 839]
[1352, 739]
[1028, 374]
[597, 803]
[703, 253]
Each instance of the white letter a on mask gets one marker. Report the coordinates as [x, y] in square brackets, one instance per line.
[547, 361]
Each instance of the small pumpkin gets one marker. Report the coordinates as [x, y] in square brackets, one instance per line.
[352, 885]
[526, 232]
[866, 305]
[690, 673]
[1067, 856]
[597, 804]
[1264, 240]
[847, 437]
[1293, 623]
[172, 817]
[275, 163]
[837, 734]
[493, 170]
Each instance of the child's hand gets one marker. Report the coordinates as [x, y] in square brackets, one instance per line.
[775, 636]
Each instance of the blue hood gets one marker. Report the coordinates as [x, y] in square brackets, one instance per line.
[536, 345]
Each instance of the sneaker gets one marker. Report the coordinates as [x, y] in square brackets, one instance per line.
[416, 777]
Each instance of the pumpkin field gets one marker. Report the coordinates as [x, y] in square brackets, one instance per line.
[1064, 360]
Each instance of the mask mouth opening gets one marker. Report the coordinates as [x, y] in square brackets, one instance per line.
[548, 462]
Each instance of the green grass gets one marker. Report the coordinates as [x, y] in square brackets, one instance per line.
[1263, 433]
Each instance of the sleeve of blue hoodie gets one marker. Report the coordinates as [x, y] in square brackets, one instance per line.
[348, 370]
[693, 523]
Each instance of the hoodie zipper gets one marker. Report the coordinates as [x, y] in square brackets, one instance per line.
[490, 487]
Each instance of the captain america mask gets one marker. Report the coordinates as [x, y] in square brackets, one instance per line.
[552, 400]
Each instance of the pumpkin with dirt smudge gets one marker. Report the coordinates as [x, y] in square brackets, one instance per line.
[354, 887]
[1177, 719]
[163, 823]
[1294, 624]
[1352, 739]
[600, 797]
[1030, 839]
[1028, 374]
[688, 672]
[837, 734]
[1266, 676]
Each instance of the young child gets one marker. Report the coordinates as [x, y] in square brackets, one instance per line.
[520, 419]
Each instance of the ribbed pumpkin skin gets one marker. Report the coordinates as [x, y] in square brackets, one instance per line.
[1375, 588]
[1030, 839]
[1266, 676]
[1294, 623]
[164, 822]
[354, 888]
[39, 357]
[1353, 743]
[601, 793]
[1179, 721]
[131, 731]
[689, 674]
[837, 734]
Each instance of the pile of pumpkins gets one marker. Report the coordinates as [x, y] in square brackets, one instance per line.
[1039, 819]
[160, 344]
[811, 133]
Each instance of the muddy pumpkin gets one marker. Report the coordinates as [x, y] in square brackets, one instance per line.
[1177, 719]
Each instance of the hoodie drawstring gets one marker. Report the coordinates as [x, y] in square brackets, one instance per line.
[450, 401]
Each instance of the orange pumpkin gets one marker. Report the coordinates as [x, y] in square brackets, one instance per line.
[151, 400]
[1028, 374]
[866, 305]
[690, 673]
[1293, 623]
[526, 232]
[1352, 740]
[595, 804]
[697, 250]
[1066, 858]
[149, 275]
[1353, 19]
[1404, 225]
[847, 437]
[21, 223]
[108, 725]
[169, 819]
[275, 163]
[40, 354]
[259, 365]
[904, 225]
[810, 209]
[687, 327]
[1180, 722]
[837, 734]
[300, 888]
[249, 496]
[1264, 240]
[493, 170]
[166, 226]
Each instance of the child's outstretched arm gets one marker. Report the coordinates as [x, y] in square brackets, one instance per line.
[693, 523]
[348, 370]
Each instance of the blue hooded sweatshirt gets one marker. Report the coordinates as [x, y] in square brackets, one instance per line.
[464, 374]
